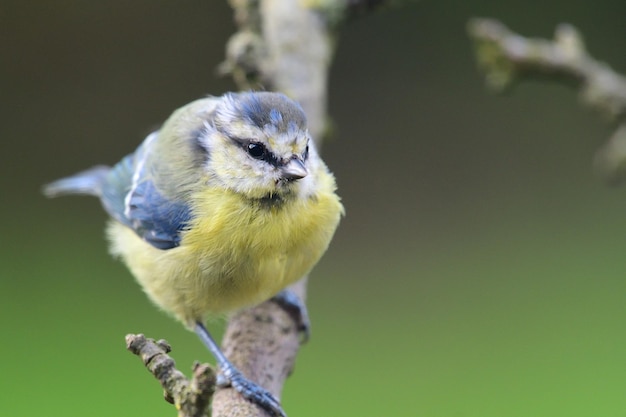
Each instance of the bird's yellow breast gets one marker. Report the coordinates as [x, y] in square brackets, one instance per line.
[236, 253]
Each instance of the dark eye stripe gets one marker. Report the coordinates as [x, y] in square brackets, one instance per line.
[259, 151]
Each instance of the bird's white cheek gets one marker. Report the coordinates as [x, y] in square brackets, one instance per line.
[307, 186]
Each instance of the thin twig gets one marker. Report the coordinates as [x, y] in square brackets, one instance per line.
[191, 397]
[508, 58]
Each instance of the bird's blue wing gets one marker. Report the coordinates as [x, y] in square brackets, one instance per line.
[156, 219]
[130, 196]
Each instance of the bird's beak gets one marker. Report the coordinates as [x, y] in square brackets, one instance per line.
[294, 169]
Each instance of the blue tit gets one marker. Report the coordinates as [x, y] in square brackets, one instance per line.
[222, 208]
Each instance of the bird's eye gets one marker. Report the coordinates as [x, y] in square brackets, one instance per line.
[256, 150]
[306, 153]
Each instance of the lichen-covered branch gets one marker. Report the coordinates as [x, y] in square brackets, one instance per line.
[507, 58]
[263, 343]
[191, 397]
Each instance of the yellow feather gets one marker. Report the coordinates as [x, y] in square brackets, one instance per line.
[236, 253]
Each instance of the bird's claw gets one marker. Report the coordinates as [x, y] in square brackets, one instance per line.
[293, 305]
[252, 392]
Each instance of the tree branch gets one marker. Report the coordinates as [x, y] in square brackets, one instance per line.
[263, 343]
[507, 58]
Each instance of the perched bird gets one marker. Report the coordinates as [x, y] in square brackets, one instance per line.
[222, 208]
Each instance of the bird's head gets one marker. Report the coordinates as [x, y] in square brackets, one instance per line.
[258, 145]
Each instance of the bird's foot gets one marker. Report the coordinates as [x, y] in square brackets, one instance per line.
[294, 305]
[251, 391]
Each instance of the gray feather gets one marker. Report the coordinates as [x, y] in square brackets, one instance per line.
[87, 182]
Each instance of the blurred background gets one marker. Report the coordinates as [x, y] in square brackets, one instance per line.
[480, 269]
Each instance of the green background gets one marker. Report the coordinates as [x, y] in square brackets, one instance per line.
[479, 272]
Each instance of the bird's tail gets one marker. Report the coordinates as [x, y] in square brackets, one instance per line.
[86, 182]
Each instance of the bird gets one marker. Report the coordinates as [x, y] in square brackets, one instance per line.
[220, 209]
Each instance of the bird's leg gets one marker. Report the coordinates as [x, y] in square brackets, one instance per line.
[294, 305]
[230, 376]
